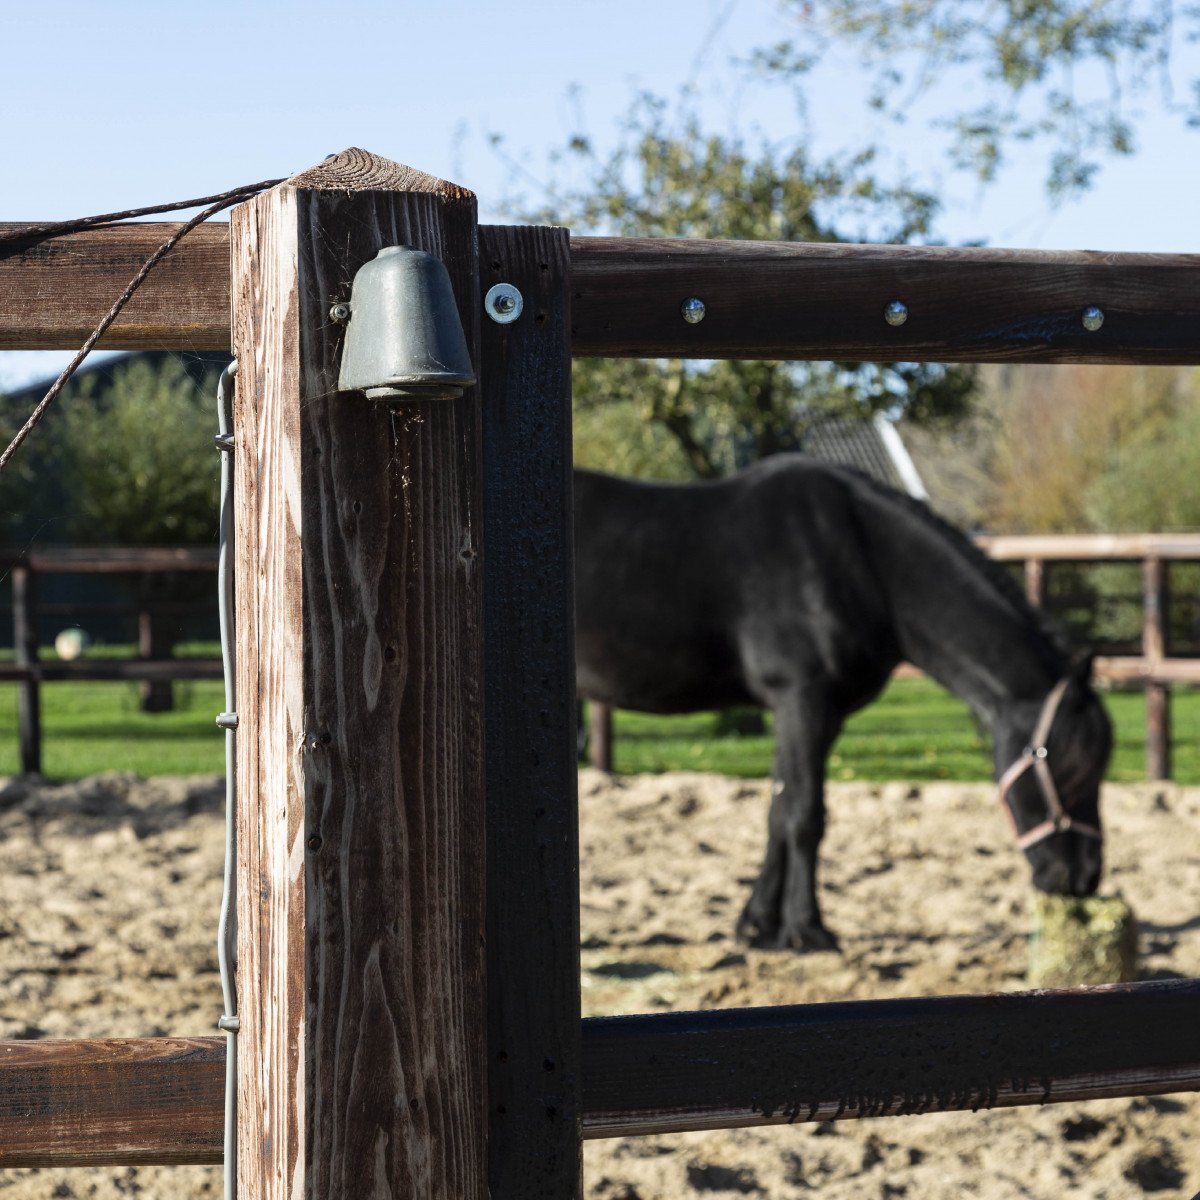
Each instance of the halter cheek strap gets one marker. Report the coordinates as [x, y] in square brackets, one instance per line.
[1035, 755]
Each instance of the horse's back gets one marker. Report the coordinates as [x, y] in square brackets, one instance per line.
[707, 594]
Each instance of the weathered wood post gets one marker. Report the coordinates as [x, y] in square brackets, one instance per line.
[25, 654]
[600, 736]
[1035, 582]
[360, 753]
[1154, 645]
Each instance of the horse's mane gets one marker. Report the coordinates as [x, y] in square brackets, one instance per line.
[964, 547]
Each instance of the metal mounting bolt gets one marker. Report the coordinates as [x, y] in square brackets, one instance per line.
[223, 442]
[693, 310]
[229, 1024]
[503, 303]
[340, 313]
[896, 313]
[1093, 318]
[227, 720]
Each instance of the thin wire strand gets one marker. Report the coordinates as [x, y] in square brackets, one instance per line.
[225, 200]
[51, 228]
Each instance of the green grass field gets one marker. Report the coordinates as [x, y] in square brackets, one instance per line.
[916, 731]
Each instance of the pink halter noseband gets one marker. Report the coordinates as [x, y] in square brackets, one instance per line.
[1035, 755]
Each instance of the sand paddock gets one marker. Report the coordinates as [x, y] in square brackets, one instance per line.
[110, 887]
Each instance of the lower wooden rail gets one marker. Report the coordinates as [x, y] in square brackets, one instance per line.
[160, 1100]
[118, 1102]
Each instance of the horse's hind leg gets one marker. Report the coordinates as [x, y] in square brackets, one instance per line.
[783, 911]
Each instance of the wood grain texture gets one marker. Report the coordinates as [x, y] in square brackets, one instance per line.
[532, 821]
[765, 299]
[360, 766]
[870, 1058]
[814, 301]
[54, 290]
[121, 1102]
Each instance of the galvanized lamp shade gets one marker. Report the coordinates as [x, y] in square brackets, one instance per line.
[404, 340]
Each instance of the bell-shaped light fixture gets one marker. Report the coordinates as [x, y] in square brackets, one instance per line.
[404, 340]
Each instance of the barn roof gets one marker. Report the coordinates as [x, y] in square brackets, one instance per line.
[873, 447]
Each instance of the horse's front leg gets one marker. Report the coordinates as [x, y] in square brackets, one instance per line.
[783, 911]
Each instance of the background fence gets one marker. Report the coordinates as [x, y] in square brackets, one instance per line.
[154, 667]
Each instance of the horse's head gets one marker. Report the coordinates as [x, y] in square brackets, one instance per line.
[1051, 766]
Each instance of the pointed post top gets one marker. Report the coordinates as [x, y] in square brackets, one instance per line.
[355, 170]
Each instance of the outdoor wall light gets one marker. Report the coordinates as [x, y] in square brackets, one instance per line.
[404, 340]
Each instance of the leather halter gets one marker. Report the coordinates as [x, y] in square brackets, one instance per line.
[1035, 755]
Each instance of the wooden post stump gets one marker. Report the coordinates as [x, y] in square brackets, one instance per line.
[360, 749]
[1154, 649]
[25, 654]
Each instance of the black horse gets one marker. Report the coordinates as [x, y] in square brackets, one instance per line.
[799, 586]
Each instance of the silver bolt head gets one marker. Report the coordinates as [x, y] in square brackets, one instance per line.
[503, 303]
[896, 313]
[340, 313]
[1093, 318]
[693, 310]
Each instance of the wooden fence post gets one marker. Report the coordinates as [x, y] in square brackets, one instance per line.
[533, 830]
[1035, 582]
[360, 753]
[600, 736]
[25, 654]
[1154, 645]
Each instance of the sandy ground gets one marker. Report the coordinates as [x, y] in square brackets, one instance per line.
[109, 891]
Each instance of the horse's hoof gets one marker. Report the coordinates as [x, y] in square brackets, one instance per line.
[811, 939]
[758, 935]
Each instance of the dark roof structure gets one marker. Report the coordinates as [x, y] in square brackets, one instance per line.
[873, 447]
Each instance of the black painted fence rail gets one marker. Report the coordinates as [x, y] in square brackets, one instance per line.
[669, 1072]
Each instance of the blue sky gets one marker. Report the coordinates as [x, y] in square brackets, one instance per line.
[106, 106]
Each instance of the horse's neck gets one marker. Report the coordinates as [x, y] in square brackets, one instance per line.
[978, 639]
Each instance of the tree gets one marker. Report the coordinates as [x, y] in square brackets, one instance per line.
[140, 455]
[673, 179]
[1070, 75]
[125, 455]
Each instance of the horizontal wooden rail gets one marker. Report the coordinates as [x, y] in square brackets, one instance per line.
[1114, 669]
[53, 291]
[91, 560]
[116, 1102]
[669, 1072]
[763, 299]
[95, 669]
[1090, 547]
[822, 301]
[160, 1100]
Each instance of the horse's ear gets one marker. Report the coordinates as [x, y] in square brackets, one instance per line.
[1081, 665]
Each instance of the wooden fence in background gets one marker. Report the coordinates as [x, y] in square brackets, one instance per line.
[29, 672]
[375, 644]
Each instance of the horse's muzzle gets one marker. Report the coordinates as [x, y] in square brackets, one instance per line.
[1067, 864]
